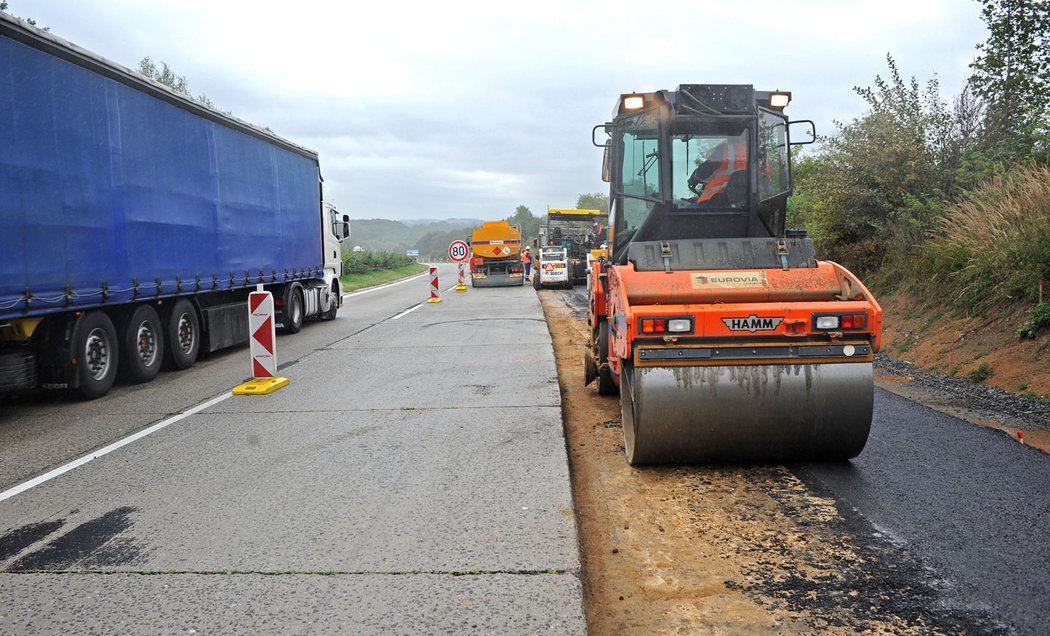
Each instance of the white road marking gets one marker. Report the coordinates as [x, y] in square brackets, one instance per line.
[411, 309]
[61, 470]
[372, 289]
[407, 311]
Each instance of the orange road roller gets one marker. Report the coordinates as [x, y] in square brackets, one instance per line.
[726, 338]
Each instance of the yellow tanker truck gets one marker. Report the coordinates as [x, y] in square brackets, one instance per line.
[496, 255]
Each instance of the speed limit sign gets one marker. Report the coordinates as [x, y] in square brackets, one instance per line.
[458, 251]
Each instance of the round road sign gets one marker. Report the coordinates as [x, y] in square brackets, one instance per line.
[458, 251]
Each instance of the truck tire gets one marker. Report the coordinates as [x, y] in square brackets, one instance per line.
[536, 281]
[141, 345]
[97, 354]
[292, 317]
[182, 333]
[330, 314]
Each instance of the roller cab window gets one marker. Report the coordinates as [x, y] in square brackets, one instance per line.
[638, 179]
[710, 167]
[773, 176]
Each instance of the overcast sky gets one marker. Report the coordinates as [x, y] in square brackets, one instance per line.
[469, 109]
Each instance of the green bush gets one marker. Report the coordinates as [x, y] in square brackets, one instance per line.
[981, 373]
[1038, 319]
[367, 261]
[875, 189]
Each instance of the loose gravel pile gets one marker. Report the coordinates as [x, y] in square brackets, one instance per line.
[987, 401]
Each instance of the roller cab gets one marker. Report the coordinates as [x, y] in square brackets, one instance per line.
[727, 339]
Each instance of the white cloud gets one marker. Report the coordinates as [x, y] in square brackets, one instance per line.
[466, 108]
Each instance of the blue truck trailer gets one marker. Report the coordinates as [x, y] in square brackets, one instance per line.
[134, 221]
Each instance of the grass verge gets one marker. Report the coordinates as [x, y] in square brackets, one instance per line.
[354, 282]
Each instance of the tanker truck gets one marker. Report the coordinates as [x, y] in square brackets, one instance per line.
[136, 220]
[496, 255]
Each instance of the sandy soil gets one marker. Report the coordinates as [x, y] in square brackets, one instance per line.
[723, 550]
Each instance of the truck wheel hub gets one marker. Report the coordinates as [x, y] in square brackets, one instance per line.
[147, 341]
[96, 354]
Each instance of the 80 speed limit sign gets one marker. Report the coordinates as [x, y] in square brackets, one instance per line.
[458, 251]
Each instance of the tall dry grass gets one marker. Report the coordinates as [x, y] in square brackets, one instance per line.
[994, 244]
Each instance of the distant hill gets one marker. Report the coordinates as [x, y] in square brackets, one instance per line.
[456, 222]
[430, 237]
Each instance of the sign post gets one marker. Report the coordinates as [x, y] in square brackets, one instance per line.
[458, 251]
[434, 298]
[461, 286]
[262, 342]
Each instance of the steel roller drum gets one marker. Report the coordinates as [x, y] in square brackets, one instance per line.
[746, 413]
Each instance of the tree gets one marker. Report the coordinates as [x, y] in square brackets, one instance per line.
[1012, 71]
[169, 78]
[876, 187]
[526, 221]
[164, 75]
[595, 201]
[31, 21]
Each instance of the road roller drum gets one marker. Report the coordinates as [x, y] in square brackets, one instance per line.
[746, 413]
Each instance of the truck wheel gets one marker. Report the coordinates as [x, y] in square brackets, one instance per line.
[96, 352]
[330, 314]
[142, 345]
[293, 310]
[606, 384]
[182, 336]
[536, 281]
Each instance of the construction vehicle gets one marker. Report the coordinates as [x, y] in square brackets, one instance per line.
[137, 220]
[552, 268]
[727, 339]
[577, 232]
[496, 255]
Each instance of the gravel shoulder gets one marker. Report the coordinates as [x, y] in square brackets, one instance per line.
[976, 403]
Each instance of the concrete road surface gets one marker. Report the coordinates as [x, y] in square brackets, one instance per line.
[411, 479]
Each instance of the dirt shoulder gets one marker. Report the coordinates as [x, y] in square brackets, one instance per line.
[929, 334]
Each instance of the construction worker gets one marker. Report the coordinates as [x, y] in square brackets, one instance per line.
[526, 257]
[728, 157]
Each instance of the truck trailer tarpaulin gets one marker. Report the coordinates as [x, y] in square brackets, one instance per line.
[103, 184]
[135, 221]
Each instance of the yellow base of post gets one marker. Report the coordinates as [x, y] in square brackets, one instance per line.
[433, 300]
[461, 288]
[260, 386]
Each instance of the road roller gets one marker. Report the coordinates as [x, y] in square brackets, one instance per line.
[726, 338]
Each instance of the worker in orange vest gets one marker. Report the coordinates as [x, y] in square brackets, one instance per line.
[526, 258]
[728, 157]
